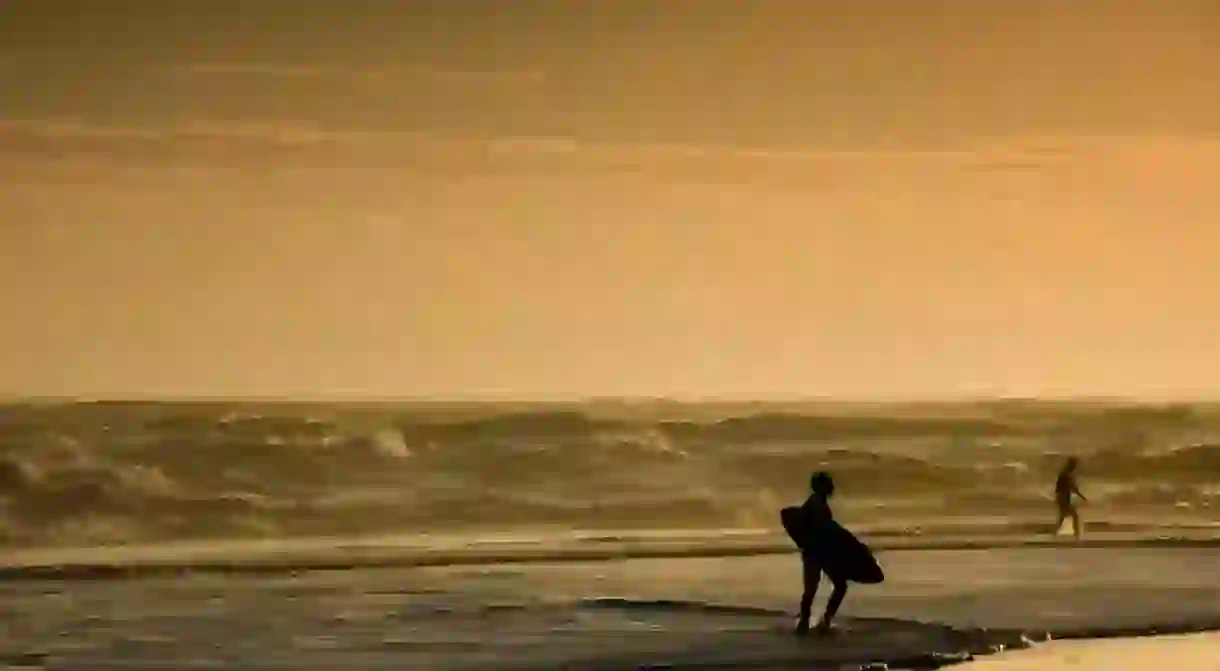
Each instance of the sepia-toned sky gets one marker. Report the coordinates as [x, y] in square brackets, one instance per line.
[865, 198]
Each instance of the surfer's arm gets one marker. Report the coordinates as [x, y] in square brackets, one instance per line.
[1076, 490]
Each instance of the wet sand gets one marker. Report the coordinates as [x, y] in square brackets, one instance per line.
[438, 550]
[938, 606]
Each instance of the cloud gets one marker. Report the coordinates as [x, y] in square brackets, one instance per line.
[276, 133]
[70, 135]
[299, 145]
[72, 128]
[281, 146]
[254, 69]
[1024, 156]
[416, 73]
[1064, 156]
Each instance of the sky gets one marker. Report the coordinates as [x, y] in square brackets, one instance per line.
[848, 198]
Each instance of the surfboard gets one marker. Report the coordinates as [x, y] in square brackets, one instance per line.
[838, 550]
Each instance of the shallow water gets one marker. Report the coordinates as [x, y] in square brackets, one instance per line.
[617, 614]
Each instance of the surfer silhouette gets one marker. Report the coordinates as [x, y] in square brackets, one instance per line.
[817, 514]
[826, 547]
[1065, 487]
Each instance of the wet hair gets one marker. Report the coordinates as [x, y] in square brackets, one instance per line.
[821, 483]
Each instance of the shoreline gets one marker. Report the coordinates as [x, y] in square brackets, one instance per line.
[959, 646]
[938, 610]
[1196, 651]
[347, 554]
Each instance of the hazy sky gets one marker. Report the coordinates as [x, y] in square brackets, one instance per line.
[842, 197]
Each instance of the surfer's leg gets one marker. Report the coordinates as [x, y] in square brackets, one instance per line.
[811, 575]
[836, 600]
[1077, 527]
[1061, 515]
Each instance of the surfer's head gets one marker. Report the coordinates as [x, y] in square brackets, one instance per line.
[1070, 464]
[822, 484]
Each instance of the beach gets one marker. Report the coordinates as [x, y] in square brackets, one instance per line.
[587, 536]
[1190, 652]
[938, 606]
[482, 335]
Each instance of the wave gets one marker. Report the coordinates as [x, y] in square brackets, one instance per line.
[104, 473]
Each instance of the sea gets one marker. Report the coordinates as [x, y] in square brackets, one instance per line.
[600, 534]
[102, 473]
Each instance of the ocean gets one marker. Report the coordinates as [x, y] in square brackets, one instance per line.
[606, 534]
[105, 473]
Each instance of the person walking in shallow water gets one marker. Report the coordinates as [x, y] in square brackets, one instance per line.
[817, 511]
[1065, 487]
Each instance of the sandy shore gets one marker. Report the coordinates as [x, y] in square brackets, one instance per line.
[1192, 652]
[937, 606]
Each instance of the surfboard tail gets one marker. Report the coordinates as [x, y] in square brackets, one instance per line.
[872, 575]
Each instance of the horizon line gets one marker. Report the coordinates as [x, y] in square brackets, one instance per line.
[553, 398]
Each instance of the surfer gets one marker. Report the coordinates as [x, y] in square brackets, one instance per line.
[817, 511]
[1065, 488]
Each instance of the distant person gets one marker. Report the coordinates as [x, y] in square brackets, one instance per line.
[1065, 488]
[816, 510]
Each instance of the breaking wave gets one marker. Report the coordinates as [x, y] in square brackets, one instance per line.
[83, 473]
